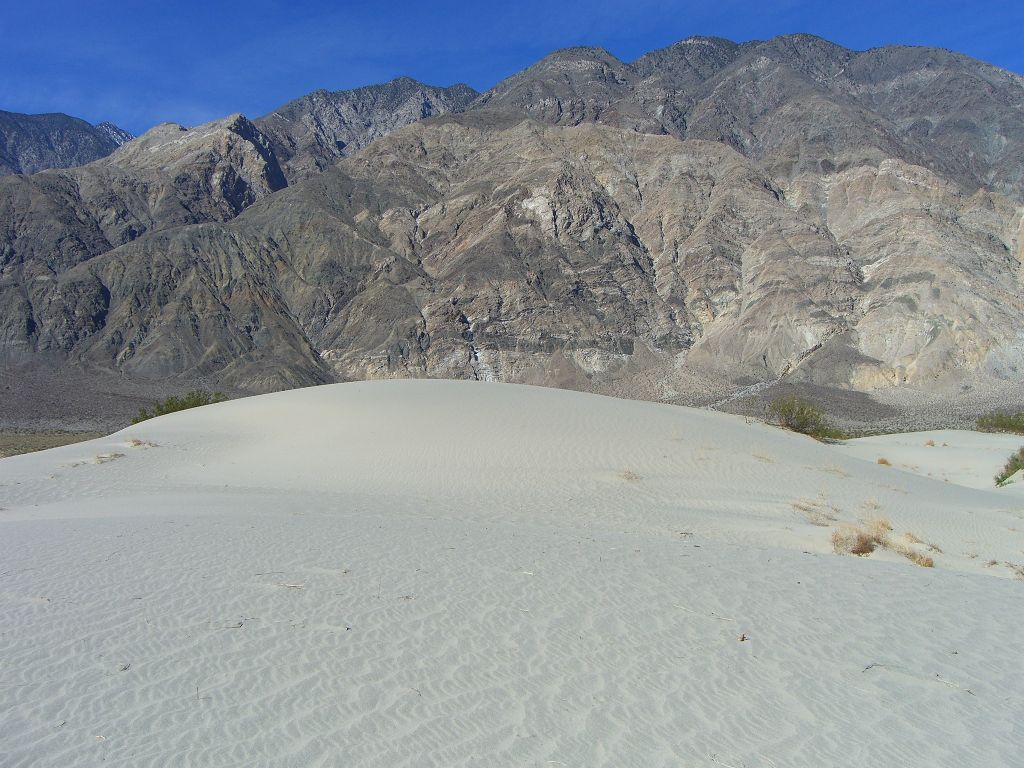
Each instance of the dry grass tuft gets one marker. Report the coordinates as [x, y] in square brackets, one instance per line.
[837, 471]
[884, 461]
[923, 560]
[873, 534]
[879, 526]
[854, 541]
[817, 511]
[863, 543]
[913, 539]
[630, 476]
[1015, 568]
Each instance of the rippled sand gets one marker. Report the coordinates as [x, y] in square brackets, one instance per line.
[425, 573]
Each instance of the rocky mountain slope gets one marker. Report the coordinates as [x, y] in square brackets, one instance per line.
[33, 143]
[710, 220]
[312, 132]
[795, 103]
[168, 177]
[56, 220]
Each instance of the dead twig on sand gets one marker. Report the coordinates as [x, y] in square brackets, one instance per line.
[711, 615]
[938, 678]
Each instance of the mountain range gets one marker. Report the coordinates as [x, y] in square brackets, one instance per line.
[711, 221]
[33, 143]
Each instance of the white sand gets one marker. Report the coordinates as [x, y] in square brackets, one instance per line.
[955, 456]
[419, 573]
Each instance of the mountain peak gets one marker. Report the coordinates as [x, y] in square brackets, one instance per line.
[589, 52]
[116, 134]
[707, 40]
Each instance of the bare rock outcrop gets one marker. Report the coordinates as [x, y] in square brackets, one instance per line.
[315, 131]
[795, 103]
[170, 177]
[491, 246]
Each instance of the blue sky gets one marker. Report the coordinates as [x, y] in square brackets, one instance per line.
[138, 64]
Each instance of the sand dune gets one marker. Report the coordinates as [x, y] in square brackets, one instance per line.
[952, 455]
[413, 573]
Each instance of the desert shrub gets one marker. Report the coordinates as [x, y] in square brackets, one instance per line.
[863, 540]
[1002, 422]
[193, 399]
[803, 416]
[917, 557]
[854, 542]
[1015, 463]
[874, 534]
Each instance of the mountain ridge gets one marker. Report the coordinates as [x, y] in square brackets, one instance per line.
[708, 220]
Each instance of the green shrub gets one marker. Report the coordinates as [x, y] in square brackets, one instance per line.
[803, 416]
[1015, 463]
[193, 399]
[1002, 422]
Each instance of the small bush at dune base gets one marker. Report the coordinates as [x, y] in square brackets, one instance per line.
[1014, 465]
[1002, 422]
[803, 416]
[193, 399]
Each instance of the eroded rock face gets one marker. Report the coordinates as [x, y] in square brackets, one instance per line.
[710, 219]
[33, 143]
[795, 104]
[942, 273]
[55, 220]
[573, 86]
[315, 131]
[492, 246]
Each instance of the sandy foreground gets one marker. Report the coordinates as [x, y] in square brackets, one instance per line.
[426, 573]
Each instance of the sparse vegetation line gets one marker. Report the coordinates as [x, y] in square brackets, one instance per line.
[1002, 422]
[1014, 465]
[803, 416]
[193, 399]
